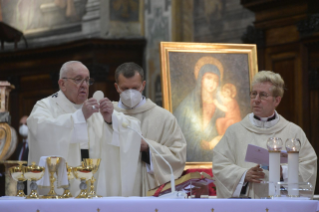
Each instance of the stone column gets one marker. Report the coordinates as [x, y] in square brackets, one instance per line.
[91, 21]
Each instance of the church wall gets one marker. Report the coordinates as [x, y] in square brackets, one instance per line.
[52, 22]
[220, 21]
[158, 25]
[122, 19]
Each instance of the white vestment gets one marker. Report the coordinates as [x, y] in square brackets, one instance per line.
[161, 129]
[57, 127]
[229, 155]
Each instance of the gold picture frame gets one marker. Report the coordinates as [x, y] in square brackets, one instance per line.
[206, 86]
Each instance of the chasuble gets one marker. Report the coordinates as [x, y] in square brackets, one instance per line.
[161, 129]
[57, 127]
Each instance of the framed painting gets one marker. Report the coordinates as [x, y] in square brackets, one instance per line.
[206, 86]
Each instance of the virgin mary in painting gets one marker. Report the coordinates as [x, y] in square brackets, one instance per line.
[197, 113]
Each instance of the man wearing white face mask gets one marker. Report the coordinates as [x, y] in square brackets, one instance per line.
[131, 97]
[158, 126]
[22, 150]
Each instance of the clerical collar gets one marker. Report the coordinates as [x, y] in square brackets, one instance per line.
[270, 118]
[265, 122]
[142, 102]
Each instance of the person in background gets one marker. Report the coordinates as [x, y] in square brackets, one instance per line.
[22, 149]
[158, 126]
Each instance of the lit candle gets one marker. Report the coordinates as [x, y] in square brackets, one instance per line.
[274, 146]
[293, 147]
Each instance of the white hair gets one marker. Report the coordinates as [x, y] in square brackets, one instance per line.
[66, 67]
[275, 79]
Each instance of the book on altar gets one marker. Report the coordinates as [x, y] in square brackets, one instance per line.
[259, 155]
[193, 184]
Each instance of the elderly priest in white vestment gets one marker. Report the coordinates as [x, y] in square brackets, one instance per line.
[235, 177]
[158, 126]
[67, 122]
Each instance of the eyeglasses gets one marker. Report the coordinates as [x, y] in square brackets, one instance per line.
[79, 81]
[261, 95]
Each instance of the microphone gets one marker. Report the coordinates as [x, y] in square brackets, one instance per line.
[173, 194]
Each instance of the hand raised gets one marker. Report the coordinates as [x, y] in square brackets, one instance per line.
[89, 107]
[106, 109]
[254, 174]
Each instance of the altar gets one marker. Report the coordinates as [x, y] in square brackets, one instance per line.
[152, 204]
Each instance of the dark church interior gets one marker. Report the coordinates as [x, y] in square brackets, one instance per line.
[38, 37]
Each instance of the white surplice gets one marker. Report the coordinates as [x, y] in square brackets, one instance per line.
[229, 155]
[161, 129]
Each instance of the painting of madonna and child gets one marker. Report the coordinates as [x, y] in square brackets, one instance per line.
[208, 93]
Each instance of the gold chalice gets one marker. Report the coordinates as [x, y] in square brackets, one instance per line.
[52, 163]
[83, 173]
[67, 193]
[17, 174]
[95, 163]
[33, 173]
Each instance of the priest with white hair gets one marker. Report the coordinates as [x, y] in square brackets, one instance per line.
[69, 124]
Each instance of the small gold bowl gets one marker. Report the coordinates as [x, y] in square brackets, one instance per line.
[83, 173]
[17, 173]
[33, 172]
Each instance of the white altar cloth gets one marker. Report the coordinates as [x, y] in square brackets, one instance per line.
[157, 205]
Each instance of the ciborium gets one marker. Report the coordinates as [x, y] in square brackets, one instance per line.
[67, 193]
[16, 173]
[84, 173]
[33, 173]
[95, 163]
[52, 164]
